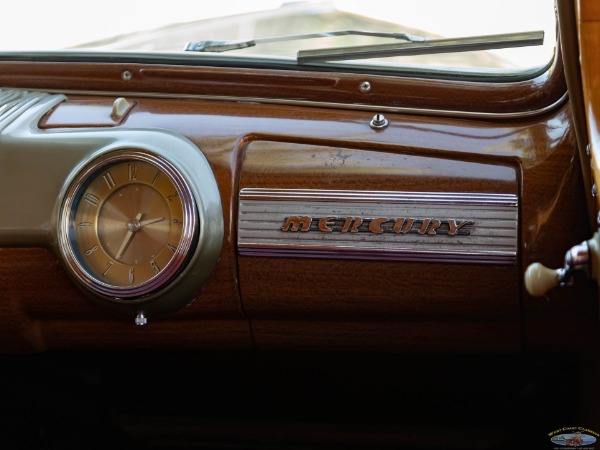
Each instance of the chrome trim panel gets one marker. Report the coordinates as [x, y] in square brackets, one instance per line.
[379, 196]
[14, 102]
[381, 225]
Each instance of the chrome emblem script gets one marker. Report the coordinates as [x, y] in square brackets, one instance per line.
[379, 225]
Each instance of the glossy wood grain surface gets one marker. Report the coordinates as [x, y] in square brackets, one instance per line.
[312, 290]
[325, 304]
[84, 113]
[588, 20]
[455, 95]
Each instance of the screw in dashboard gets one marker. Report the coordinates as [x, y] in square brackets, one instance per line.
[141, 319]
[379, 122]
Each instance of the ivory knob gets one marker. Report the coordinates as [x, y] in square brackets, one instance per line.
[539, 279]
[119, 108]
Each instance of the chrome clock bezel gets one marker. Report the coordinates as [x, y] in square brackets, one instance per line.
[73, 256]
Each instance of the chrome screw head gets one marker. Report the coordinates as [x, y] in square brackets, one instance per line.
[141, 319]
[379, 122]
[365, 86]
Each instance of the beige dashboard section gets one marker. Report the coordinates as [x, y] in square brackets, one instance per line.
[38, 168]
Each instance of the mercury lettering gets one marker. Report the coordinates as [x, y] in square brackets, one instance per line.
[378, 225]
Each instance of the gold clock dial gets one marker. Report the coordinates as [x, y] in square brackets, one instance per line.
[130, 222]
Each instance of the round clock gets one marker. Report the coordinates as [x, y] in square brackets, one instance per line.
[128, 225]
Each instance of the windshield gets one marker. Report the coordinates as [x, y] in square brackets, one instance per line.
[167, 28]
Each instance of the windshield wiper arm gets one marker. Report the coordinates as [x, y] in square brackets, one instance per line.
[225, 46]
[452, 45]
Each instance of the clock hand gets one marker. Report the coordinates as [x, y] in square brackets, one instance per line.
[151, 221]
[132, 227]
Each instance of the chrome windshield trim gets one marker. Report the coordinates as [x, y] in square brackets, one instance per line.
[229, 60]
[316, 104]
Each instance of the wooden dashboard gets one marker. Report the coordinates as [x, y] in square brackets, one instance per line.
[296, 136]
[235, 253]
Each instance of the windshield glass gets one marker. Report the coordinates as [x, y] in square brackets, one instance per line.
[140, 27]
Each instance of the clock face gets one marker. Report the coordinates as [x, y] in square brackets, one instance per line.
[128, 224]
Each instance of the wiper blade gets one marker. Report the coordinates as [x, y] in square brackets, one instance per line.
[225, 46]
[434, 46]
